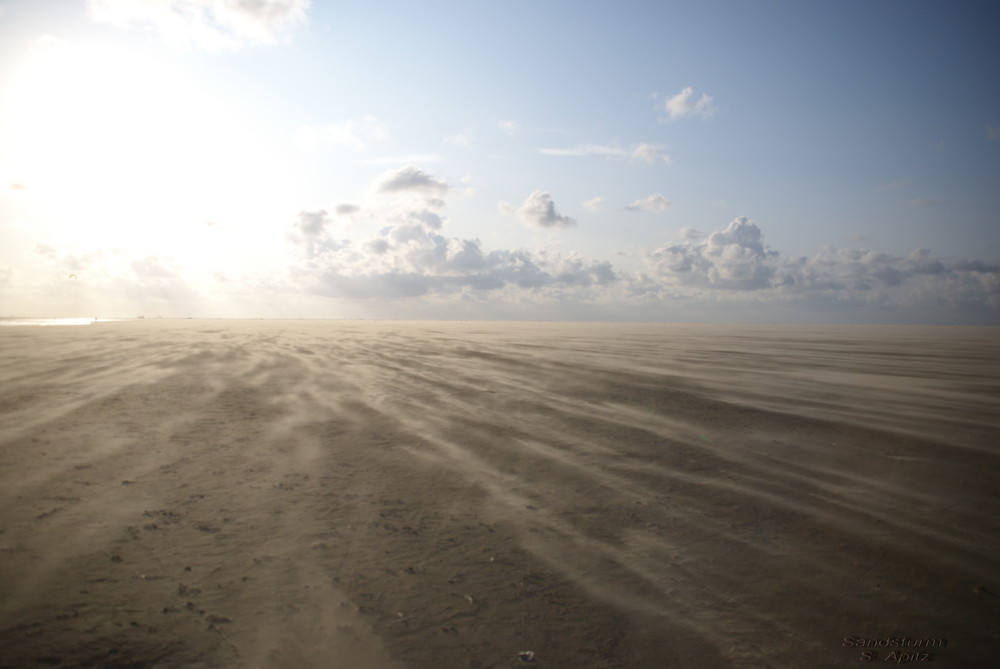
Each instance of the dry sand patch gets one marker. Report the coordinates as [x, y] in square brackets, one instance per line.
[276, 493]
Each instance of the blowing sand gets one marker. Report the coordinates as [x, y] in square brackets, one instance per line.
[389, 494]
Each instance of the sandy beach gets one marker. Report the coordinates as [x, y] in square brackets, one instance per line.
[305, 494]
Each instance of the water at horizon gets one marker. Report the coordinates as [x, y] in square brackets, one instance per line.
[7, 321]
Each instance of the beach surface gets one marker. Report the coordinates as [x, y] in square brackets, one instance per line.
[373, 495]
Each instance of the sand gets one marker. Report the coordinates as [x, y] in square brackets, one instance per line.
[392, 494]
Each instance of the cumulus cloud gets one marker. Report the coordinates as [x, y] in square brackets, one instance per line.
[412, 180]
[355, 132]
[648, 153]
[211, 25]
[413, 259]
[734, 258]
[540, 211]
[684, 104]
[312, 223]
[593, 204]
[654, 203]
[734, 266]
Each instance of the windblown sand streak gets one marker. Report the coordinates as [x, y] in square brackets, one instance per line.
[275, 493]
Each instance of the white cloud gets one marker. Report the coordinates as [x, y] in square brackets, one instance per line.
[411, 266]
[346, 209]
[356, 132]
[654, 203]
[312, 223]
[212, 25]
[309, 231]
[648, 153]
[539, 210]
[734, 266]
[594, 204]
[734, 258]
[731, 268]
[412, 259]
[411, 180]
[684, 104]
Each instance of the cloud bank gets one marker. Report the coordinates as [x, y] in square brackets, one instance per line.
[412, 266]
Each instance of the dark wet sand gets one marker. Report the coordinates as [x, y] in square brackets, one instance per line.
[391, 494]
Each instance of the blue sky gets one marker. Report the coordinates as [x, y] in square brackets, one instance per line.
[787, 161]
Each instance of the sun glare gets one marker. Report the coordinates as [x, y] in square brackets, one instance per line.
[117, 148]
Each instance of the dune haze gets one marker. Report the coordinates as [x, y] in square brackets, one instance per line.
[375, 494]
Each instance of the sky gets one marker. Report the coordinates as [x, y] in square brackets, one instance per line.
[813, 162]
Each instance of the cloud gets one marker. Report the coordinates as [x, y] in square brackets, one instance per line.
[413, 262]
[733, 266]
[924, 202]
[540, 211]
[648, 153]
[594, 204]
[734, 259]
[412, 259]
[684, 104]
[356, 132]
[412, 180]
[309, 231]
[211, 25]
[346, 209]
[654, 203]
[993, 133]
[898, 183]
[412, 267]
[312, 223]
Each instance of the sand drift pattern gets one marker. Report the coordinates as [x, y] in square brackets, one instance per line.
[449, 494]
